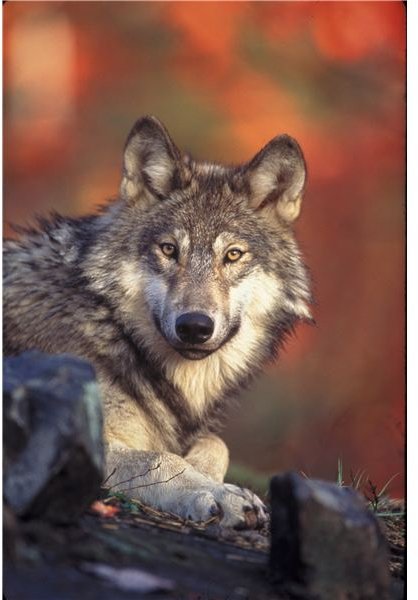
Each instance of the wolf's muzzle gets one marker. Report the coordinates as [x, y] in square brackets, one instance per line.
[194, 328]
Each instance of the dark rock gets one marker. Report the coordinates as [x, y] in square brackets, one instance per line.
[53, 436]
[326, 543]
[15, 419]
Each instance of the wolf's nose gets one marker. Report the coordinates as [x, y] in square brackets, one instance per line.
[194, 328]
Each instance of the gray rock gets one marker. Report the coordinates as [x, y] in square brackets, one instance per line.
[326, 543]
[53, 435]
[15, 419]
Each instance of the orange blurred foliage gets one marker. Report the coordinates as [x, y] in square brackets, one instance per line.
[203, 32]
[283, 20]
[352, 31]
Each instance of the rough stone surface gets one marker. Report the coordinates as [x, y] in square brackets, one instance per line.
[15, 420]
[326, 544]
[53, 435]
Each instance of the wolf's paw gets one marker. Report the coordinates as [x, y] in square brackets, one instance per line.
[237, 507]
[240, 508]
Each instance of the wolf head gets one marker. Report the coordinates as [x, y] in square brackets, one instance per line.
[204, 261]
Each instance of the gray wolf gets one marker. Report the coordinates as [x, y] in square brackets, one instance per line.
[178, 293]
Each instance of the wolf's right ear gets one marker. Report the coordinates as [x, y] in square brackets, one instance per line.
[276, 178]
[151, 162]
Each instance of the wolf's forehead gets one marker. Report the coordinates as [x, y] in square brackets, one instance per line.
[208, 219]
[211, 240]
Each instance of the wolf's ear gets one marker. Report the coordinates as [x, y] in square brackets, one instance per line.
[276, 178]
[151, 162]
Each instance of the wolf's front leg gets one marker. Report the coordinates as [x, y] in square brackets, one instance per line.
[210, 456]
[168, 482]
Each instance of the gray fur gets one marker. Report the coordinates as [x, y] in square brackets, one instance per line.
[100, 287]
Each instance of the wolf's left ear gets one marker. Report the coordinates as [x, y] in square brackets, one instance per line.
[151, 162]
[276, 177]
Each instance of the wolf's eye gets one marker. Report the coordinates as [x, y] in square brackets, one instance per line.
[233, 255]
[169, 250]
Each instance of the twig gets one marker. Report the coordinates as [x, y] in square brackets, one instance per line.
[374, 499]
[108, 477]
[376, 496]
[153, 483]
[134, 477]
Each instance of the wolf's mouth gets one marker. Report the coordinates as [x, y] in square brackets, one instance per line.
[198, 352]
[193, 353]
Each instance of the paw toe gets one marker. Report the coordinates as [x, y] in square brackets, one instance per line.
[241, 508]
[203, 507]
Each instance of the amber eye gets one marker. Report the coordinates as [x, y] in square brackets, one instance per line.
[233, 255]
[169, 250]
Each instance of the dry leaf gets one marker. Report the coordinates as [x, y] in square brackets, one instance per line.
[104, 510]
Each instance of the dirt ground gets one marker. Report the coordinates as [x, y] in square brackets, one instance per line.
[115, 546]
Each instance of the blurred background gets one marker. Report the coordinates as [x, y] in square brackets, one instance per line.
[225, 78]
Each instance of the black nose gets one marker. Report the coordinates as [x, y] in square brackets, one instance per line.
[194, 327]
